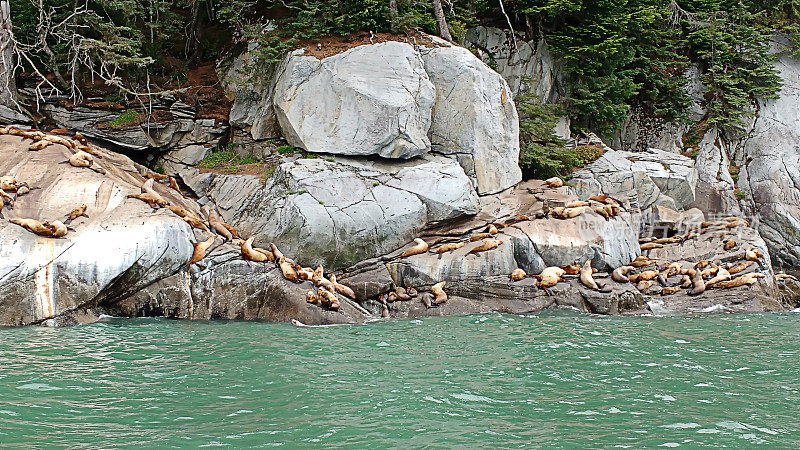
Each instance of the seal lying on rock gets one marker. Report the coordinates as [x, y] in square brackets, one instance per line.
[449, 247]
[80, 211]
[550, 277]
[620, 274]
[155, 201]
[486, 245]
[518, 274]
[554, 182]
[419, 247]
[200, 249]
[251, 254]
[54, 229]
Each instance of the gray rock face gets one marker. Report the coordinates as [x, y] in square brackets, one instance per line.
[770, 175]
[530, 61]
[474, 118]
[180, 132]
[649, 178]
[715, 187]
[125, 258]
[369, 100]
[339, 213]
[640, 132]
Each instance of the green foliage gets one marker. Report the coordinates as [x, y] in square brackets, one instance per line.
[542, 154]
[127, 118]
[225, 157]
[286, 149]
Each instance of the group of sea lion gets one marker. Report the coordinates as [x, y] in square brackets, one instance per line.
[551, 276]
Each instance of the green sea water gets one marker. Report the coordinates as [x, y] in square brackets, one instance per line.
[555, 380]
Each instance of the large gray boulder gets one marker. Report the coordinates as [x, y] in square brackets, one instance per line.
[650, 178]
[369, 100]
[338, 212]
[474, 119]
[770, 175]
[715, 193]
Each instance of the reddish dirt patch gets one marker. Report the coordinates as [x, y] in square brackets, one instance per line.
[206, 95]
[332, 45]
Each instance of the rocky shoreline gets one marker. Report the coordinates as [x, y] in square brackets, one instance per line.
[401, 142]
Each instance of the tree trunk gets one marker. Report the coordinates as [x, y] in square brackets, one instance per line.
[393, 14]
[438, 12]
[8, 88]
[193, 49]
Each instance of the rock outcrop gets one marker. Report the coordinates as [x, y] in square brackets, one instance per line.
[369, 100]
[656, 177]
[770, 155]
[474, 119]
[126, 258]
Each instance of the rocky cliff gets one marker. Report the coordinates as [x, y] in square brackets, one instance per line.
[398, 142]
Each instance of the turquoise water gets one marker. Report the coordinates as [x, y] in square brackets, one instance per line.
[550, 380]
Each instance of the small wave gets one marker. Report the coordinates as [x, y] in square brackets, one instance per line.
[476, 398]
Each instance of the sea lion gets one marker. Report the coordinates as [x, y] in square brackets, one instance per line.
[346, 291]
[412, 292]
[620, 274]
[647, 275]
[703, 264]
[318, 275]
[420, 246]
[218, 225]
[39, 145]
[147, 187]
[742, 280]
[686, 282]
[174, 185]
[669, 240]
[488, 244]
[670, 290]
[729, 244]
[288, 269]
[312, 297]
[427, 300]
[572, 269]
[785, 276]
[554, 182]
[392, 297]
[479, 237]
[449, 247]
[80, 211]
[650, 246]
[567, 213]
[328, 299]
[641, 261]
[602, 212]
[156, 176]
[438, 292]
[740, 267]
[722, 276]
[644, 285]
[155, 201]
[58, 228]
[200, 249]
[674, 269]
[6, 198]
[81, 159]
[34, 226]
[577, 204]
[518, 274]
[586, 276]
[249, 253]
[710, 271]
[698, 284]
[491, 229]
[754, 255]
[550, 277]
[305, 273]
[402, 294]
[522, 218]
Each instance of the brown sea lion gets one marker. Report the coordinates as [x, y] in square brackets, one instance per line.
[449, 247]
[287, 268]
[641, 261]
[554, 182]
[479, 237]
[312, 297]
[249, 253]
[174, 185]
[328, 299]
[518, 274]
[492, 229]
[438, 292]
[157, 176]
[698, 284]
[686, 282]
[572, 269]
[577, 204]
[550, 277]
[650, 246]
[34, 226]
[305, 273]
[419, 247]
[346, 291]
[722, 276]
[488, 244]
[522, 218]
[644, 285]
[80, 211]
[729, 244]
[740, 267]
[670, 290]
[427, 300]
[742, 280]
[674, 269]
[412, 292]
[586, 276]
[81, 159]
[620, 274]
[200, 249]
[39, 145]
[155, 201]
[402, 294]
[602, 212]
[647, 275]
